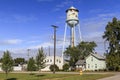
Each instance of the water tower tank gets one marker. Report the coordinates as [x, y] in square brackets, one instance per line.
[72, 16]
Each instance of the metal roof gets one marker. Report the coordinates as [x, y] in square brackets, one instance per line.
[72, 8]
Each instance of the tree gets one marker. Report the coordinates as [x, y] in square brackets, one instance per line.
[85, 48]
[19, 61]
[73, 54]
[52, 68]
[40, 59]
[80, 51]
[66, 67]
[7, 62]
[31, 65]
[112, 36]
[0, 60]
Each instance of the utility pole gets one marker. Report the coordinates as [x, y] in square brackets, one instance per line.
[54, 45]
[28, 53]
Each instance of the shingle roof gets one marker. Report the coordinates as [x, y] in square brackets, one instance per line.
[80, 62]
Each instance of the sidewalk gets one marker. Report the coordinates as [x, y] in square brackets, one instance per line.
[116, 77]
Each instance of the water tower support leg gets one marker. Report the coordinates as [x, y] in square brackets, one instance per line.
[80, 33]
[64, 43]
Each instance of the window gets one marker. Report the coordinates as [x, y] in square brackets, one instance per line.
[88, 65]
[59, 61]
[91, 58]
[50, 60]
[95, 65]
[73, 13]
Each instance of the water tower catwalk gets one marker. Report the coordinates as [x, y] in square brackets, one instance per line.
[73, 23]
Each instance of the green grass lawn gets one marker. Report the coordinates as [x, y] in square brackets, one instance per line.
[26, 76]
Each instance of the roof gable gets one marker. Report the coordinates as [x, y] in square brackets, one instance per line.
[96, 55]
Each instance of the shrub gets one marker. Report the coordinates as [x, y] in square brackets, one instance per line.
[52, 68]
[66, 67]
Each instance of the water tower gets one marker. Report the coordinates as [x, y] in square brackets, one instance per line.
[73, 23]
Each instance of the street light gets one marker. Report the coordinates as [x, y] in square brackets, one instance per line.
[54, 45]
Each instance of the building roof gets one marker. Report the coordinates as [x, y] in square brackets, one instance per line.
[72, 8]
[80, 62]
[98, 56]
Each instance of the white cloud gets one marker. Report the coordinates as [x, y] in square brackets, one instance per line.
[18, 50]
[16, 18]
[45, 44]
[93, 11]
[66, 3]
[93, 27]
[96, 36]
[11, 42]
[98, 21]
[14, 41]
[33, 41]
[59, 44]
[22, 18]
[63, 4]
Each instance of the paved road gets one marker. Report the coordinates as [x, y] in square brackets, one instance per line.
[116, 77]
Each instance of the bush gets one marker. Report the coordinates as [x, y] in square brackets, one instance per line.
[66, 67]
[52, 68]
[111, 68]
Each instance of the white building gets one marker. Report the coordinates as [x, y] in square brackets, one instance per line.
[50, 61]
[15, 68]
[95, 62]
[92, 62]
[0, 66]
[81, 64]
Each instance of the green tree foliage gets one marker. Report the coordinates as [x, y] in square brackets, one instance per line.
[52, 68]
[31, 65]
[73, 53]
[19, 61]
[0, 60]
[66, 67]
[85, 48]
[40, 59]
[7, 62]
[80, 51]
[112, 36]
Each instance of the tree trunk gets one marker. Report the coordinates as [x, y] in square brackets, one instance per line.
[39, 70]
[6, 75]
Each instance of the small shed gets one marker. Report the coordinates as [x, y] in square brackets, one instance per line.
[80, 64]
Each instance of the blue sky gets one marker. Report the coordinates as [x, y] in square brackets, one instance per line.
[27, 23]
